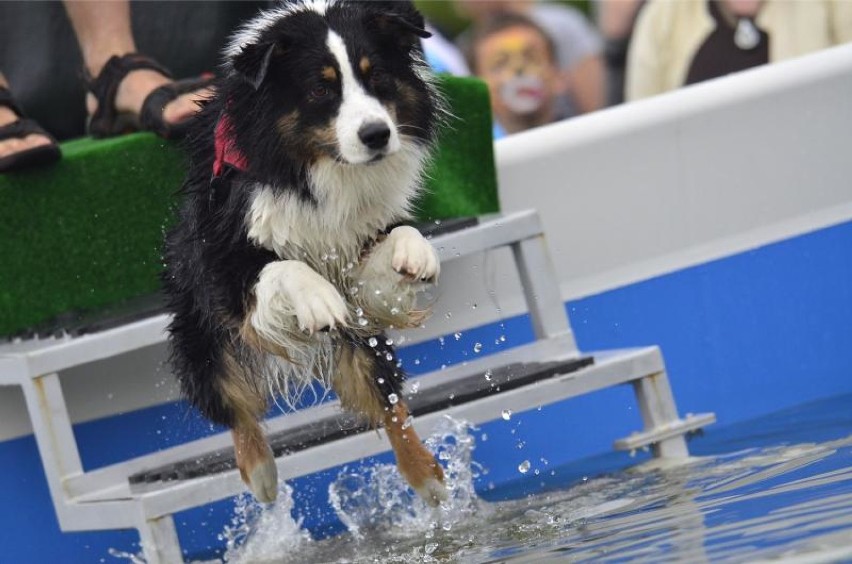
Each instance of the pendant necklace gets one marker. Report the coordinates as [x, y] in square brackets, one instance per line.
[746, 35]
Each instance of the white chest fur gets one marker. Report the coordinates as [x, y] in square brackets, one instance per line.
[352, 203]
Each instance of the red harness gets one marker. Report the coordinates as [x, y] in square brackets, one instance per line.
[227, 152]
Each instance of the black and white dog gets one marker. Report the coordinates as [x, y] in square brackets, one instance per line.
[285, 265]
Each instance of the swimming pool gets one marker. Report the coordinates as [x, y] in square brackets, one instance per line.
[776, 487]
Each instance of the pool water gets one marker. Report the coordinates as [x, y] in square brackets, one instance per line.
[778, 487]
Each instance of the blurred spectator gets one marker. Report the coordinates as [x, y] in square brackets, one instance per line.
[687, 41]
[517, 59]
[615, 19]
[581, 81]
[42, 58]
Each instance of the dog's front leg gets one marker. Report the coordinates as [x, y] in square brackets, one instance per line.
[290, 298]
[392, 274]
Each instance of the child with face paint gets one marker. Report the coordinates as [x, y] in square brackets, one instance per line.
[516, 58]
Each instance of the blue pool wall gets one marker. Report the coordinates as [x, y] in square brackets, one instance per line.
[742, 336]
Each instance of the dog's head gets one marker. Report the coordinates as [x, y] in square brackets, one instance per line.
[330, 79]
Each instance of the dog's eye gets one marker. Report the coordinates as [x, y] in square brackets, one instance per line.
[320, 91]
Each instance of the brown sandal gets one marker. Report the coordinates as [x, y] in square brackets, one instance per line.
[107, 121]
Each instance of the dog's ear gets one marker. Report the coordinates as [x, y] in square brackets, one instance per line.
[398, 19]
[253, 62]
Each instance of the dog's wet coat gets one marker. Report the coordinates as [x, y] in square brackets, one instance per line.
[283, 267]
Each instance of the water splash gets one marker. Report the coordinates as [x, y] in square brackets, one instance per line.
[259, 533]
[377, 498]
[129, 556]
[370, 501]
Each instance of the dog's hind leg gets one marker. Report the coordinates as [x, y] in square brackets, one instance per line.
[246, 404]
[367, 382]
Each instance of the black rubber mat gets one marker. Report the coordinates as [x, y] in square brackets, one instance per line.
[337, 426]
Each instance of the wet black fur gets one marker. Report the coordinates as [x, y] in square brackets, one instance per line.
[211, 266]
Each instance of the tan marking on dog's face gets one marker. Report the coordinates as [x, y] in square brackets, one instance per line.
[288, 124]
[309, 143]
[322, 142]
[407, 94]
[365, 65]
[329, 73]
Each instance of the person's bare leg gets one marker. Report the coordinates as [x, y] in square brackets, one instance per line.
[16, 145]
[103, 29]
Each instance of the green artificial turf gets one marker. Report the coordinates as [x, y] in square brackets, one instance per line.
[86, 233]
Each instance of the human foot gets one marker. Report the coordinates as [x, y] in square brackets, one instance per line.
[136, 86]
[23, 143]
[134, 92]
[15, 145]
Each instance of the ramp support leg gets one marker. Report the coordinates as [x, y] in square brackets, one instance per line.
[159, 541]
[54, 437]
[541, 288]
[657, 405]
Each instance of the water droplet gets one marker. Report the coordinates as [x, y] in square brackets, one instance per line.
[524, 467]
[415, 387]
[430, 548]
[488, 374]
[394, 310]
[378, 292]
[457, 336]
[389, 341]
[362, 321]
[389, 356]
[380, 380]
[358, 311]
[449, 314]
[393, 399]
[372, 341]
[477, 348]
[507, 414]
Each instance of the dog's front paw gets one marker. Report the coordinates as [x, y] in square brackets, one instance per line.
[292, 288]
[319, 306]
[413, 256]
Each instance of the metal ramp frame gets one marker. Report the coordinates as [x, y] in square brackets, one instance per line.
[105, 498]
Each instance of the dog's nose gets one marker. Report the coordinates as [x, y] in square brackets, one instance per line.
[374, 135]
